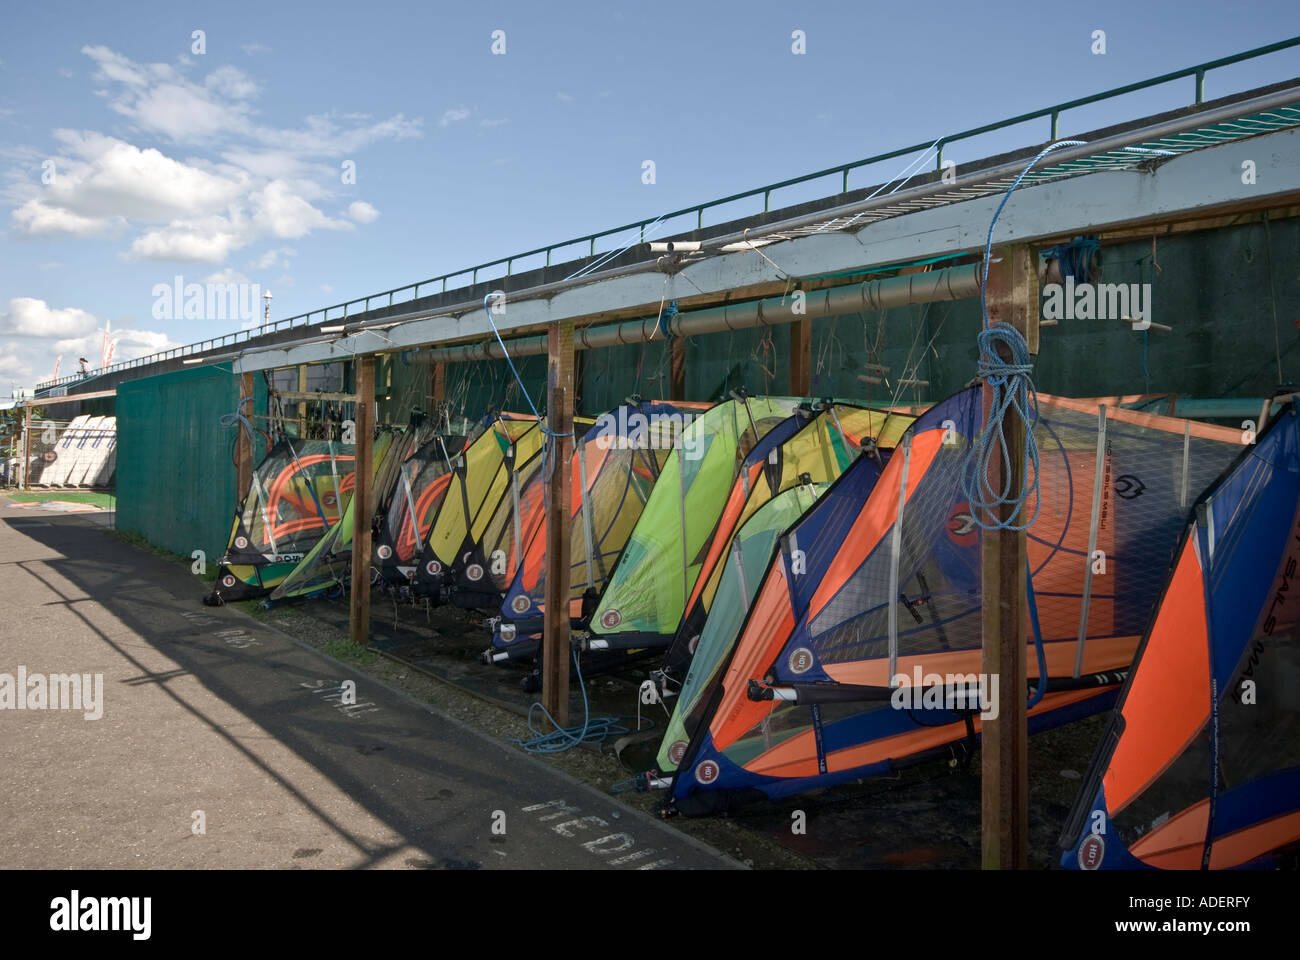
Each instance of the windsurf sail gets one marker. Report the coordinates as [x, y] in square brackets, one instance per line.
[421, 484]
[815, 445]
[296, 494]
[327, 565]
[747, 559]
[480, 477]
[880, 581]
[612, 473]
[645, 596]
[1200, 765]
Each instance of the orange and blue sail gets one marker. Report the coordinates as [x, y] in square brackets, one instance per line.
[880, 579]
[1200, 765]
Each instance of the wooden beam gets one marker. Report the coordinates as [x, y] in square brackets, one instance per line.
[27, 448]
[677, 373]
[1012, 297]
[362, 501]
[69, 398]
[302, 406]
[801, 358]
[302, 395]
[243, 442]
[438, 386]
[559, 416]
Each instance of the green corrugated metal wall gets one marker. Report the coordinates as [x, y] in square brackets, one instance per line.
[175, 467]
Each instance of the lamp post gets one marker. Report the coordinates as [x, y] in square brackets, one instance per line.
[266, 312]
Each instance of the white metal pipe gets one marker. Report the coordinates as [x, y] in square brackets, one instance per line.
[951, 283]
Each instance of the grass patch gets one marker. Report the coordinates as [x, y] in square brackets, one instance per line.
[105, 501]
[350, 652]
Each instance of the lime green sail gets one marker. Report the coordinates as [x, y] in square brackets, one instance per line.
[646, 594]
[324, 565]
[747, 561]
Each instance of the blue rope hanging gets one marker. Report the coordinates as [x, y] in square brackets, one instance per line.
[551, 435]
[1013, 390]
[238, 417]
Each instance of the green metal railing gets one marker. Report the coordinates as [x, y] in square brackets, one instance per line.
[1053, 114]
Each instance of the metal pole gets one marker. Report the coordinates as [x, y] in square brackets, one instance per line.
[951, 283]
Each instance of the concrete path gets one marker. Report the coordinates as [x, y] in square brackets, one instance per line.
[211, 718]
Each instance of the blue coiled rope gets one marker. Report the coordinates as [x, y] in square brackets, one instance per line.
[559, 739]
[230, 419]
[1013, 390]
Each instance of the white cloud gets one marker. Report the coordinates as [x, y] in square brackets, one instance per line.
[28, 361]
[130, 345]
[231, 82]
[493, 123]
[13, 367]
[108, 177]
[363, 212]
[37, 217]
[243, 180]
[29, 317]
[453, 115]
[201, 240]
[228, 275]
[563, 97]
[268, 260]
[254, 48]
[279, 210]
[326, 288]
[161, 99]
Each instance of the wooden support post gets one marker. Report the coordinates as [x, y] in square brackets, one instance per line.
[801, 358]
[362, 501]
[677, 385]
[1012, 297]
[438, 386]
[559, 418]
[243, 442]
[27, 448]
[302, 405]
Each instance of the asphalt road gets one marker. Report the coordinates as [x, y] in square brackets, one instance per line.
[211, 719]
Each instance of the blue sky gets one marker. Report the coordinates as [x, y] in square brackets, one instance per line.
[228, 165]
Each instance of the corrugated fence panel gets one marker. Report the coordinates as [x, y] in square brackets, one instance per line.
[175, 467]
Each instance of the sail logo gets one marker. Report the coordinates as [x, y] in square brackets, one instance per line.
[1098, 301]
[972, 692]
